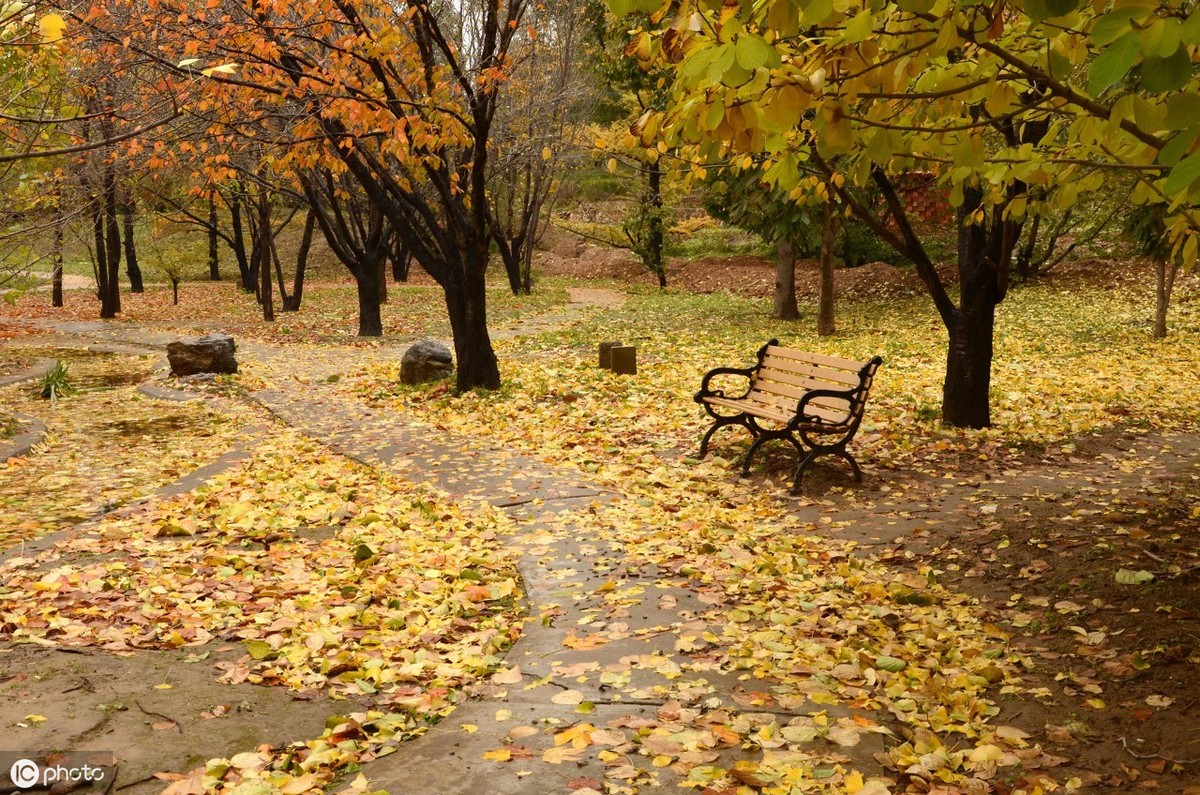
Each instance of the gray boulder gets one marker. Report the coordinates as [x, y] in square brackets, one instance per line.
[209, 354]
[426, 360]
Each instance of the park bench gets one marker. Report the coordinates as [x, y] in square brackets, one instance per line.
[815, 402]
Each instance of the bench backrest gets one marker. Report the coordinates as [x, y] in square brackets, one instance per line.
[785, 375]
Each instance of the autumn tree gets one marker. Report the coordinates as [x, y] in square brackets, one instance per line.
[1000, 101]
[537, 132]
[398, 95]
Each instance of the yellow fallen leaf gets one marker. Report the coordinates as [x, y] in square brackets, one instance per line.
[469, 728]
[499, 755]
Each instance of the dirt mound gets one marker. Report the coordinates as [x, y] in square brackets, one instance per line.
[743, 275]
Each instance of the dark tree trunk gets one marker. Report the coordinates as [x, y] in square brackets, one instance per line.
[401, 261]
[293, 302]
[367, 277]
[657, 263]
[175, 290]
[132, 269]
[110, 301]
[262, 246]
[239, 243]
[785, 281]
[826, 326]
[965, 392]
[1165, 271]
[214, 271]
[467, 307]
[56, 255]
[97, 206]
[381, 279]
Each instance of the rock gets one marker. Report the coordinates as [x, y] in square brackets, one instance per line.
[426, 360]
[209, 354]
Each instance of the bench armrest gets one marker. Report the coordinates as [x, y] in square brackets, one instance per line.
[849, 395]
[706, 391]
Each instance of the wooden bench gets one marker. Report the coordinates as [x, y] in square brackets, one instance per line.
[815, 402]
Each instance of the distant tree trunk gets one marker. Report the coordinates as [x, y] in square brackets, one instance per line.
[1165, 270]
[239, 243]
[110, 302]
[656, 237]
[785, 281]
[174, 277]
[262, 246]
[101, 264]
[825, 320]
[132, 269]
[381, 279]
[401, 261]
[292, 303]
[56, 254]
[214, 271]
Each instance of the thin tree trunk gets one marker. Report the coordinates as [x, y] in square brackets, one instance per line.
[263, 250]
[381, 279]
[1165, 271]
[132, 269]
[785, 281]
[101, 264]
[110, 305]
[239, 243]
[825, 320]
[401, 261]
[56, 255]
[214, 271]
[656, 238]
[175, 290]
[297, 297]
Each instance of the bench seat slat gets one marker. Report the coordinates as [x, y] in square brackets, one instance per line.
[836, 362]
[806, 383]
[849, 378]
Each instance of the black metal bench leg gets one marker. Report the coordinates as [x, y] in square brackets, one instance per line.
[808, 459]
[853, 464]
[708, 436]
[750, 454]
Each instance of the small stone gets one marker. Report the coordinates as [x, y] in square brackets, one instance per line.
[213, 353]
[426, 360]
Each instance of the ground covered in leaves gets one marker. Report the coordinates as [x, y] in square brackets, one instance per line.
[1017, 607]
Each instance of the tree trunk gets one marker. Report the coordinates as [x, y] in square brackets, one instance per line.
[101, 265]
[785, 281]
[381, 279]
[175, 291]
[214, 272]
[110, 302]
[825, 320]
[401, 260]
[1165, 271]
[56, 256]
[263, 250]
[367, 277]
[657, 263]
[293, 303]
[476, 361]
[132, 269]
[965, 392]
[239, 243]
